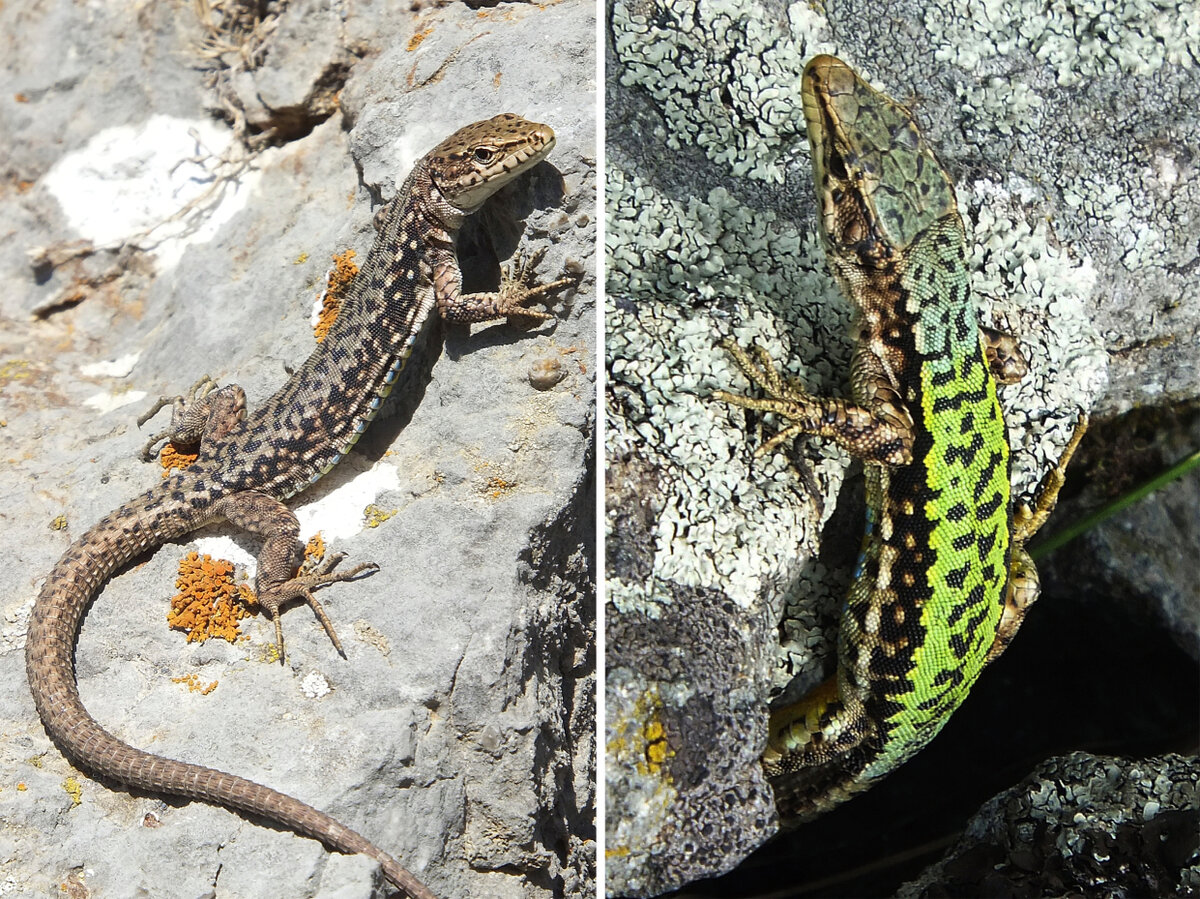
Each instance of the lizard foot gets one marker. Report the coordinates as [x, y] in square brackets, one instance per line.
[517, 289]
[1004, 357]
[179, 406]
[302, 587]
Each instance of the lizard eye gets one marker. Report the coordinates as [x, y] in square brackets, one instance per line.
[484, 154]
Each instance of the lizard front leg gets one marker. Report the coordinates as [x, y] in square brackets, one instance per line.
[510, 301]
[280, 579]
[882, 432]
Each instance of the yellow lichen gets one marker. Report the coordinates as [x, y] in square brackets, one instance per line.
[174, 456]
[301, 259]
[340, 277]
[15, 370]
[194, 685]
[209, 603]
[73, 789]
[59, 523]
[657, 748]
[375, 515]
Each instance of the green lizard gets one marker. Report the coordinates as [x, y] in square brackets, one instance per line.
[942, 580]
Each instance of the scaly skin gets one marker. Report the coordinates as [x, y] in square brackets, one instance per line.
[250, 463]
[933, 600]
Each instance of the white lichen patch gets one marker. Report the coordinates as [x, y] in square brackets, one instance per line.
[338, 514]
[314, 685]
[130, 179]
[225, 547]
[16, 624]
[111, 368]
[1028, 286]
[723, 73]
[108, 401]
[1079, 40]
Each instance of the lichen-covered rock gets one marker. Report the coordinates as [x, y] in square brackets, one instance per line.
[1075, 189]
[1080, 825]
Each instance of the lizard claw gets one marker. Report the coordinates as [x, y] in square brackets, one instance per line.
[301, 587]
[516, 287]
[179, 406]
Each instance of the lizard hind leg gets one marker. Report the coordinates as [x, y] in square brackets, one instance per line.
[281, 577]
[205, 413]
[1021, 592]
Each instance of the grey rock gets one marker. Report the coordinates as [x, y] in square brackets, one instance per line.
[1080, 825]
[459, 733]
[1072, 168]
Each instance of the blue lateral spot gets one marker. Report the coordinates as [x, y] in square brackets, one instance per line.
[862, 553]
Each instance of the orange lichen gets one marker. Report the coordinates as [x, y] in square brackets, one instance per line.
[174, 456]
[497, 487]
[338, 281]
[194, 685]
[209, 603]
[314, 549]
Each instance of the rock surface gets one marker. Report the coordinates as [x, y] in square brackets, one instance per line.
[1071, 163]
[459, 733]
[1080, 825]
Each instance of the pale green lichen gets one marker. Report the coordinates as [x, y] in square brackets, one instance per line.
[666, 354]
[723, 73]
[1081, 43]
[1081, 39]
[1028, 286]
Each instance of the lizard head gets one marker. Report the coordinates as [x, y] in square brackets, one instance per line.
[476, 161]
[878, 183]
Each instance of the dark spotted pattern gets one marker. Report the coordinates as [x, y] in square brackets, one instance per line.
[924, 610]
[250, 465]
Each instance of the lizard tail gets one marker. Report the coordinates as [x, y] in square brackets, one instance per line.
[50, 664]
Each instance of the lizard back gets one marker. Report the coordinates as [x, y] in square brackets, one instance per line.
[922, 613]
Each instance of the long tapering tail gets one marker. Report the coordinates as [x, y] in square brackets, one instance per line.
[50, 665]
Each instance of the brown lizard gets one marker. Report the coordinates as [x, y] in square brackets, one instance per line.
[250, 463]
